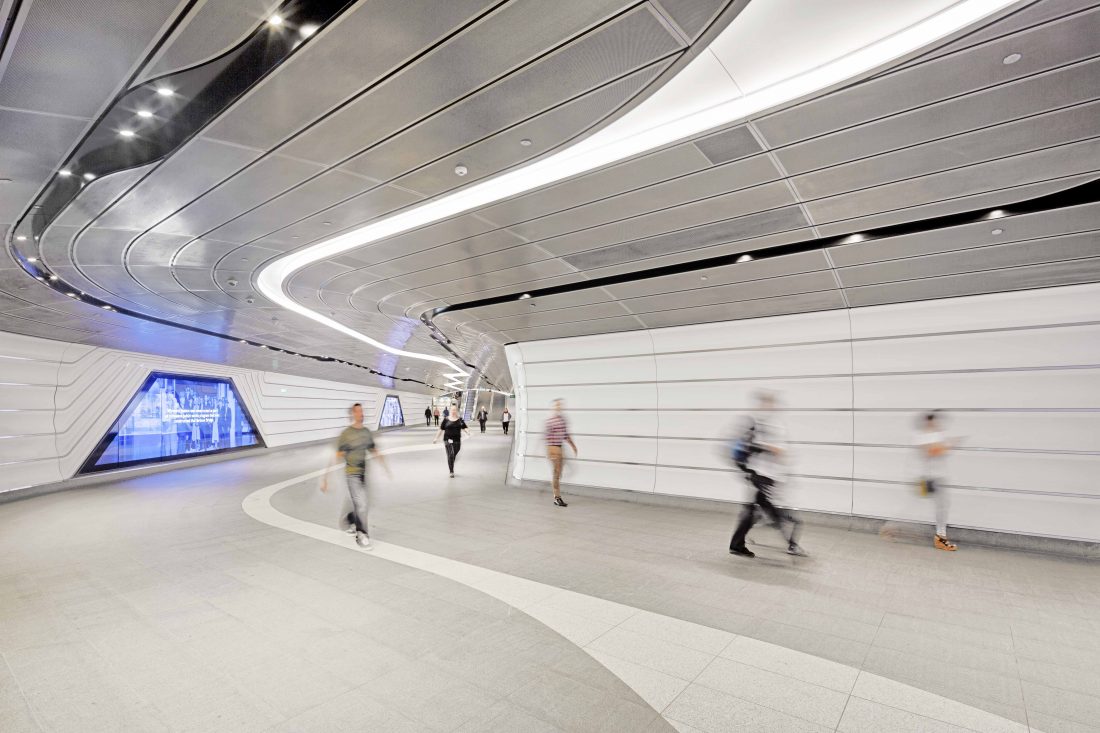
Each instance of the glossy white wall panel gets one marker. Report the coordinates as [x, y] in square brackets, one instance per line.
[802, 426]
[771, 331]
[1039, 473]
[595, 397]
[775, 361]
[623, 450]
[1071, 304]
[28, 473]
[589, 371]
[818, 495]
[596, 422]
[25, 397]
[740, 395]
[815, 460]
[999, 511]
[1031, 348]
[28, 371]
[587, 347]
[1054, 431]
[26, 422]
[26, 448]
[1053, 388]
[693, 482]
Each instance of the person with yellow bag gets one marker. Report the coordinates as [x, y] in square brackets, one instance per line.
[934, 446]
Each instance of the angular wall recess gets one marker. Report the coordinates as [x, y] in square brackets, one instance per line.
[172, 417]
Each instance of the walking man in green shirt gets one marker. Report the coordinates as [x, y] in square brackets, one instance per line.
[351, 447]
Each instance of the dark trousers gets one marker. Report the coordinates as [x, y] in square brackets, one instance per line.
[763, 486]
[482, 425]
[428, 421]
[505, 427]
[452, 453]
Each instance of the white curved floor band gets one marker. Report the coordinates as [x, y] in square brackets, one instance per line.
[668, 656]
[703, 96]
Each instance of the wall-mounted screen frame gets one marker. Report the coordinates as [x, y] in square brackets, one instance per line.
[173, 417]
[391, 416]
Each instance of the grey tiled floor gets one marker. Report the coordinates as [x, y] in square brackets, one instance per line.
[155, 603]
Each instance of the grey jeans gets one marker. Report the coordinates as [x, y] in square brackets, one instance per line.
[355, 504]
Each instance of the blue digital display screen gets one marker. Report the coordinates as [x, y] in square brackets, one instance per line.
[392, 415]
[174, 416]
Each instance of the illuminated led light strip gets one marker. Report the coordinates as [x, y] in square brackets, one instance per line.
[625, 138]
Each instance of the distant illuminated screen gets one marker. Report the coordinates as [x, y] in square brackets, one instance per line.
[392, 416]
[174, 416]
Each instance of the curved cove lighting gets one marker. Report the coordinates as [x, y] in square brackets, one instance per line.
[704, 95]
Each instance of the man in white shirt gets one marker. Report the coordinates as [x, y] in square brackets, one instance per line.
[766, 471]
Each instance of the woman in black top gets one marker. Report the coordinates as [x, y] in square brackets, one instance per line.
[451, 430]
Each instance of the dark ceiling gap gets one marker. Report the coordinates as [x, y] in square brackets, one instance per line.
[1082, 194]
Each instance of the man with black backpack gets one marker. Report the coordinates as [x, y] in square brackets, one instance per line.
[761, 454]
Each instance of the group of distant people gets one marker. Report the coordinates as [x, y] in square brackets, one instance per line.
[760, 451]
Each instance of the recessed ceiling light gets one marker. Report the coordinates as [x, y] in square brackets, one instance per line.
[461, 170]
[995, 232]
[744, 258]
[525, 296]
[525, 142]
[243, 341]
[126, 133]
[703, 278]
[326, 223]
[71, 295]
[275, 19]
[89, 176]
[32, 259]
[105, 307]
[53, 278]
[1011, 59]
[144, 113]
[996, 214]
[64, 173]
[231, 281]
[853, 238]
[21, 238]
[165, 91]
[307, 30]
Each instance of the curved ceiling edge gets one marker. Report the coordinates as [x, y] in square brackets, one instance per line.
[685, 106]
[1085, 193]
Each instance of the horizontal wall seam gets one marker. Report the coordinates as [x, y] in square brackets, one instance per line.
[794, 344]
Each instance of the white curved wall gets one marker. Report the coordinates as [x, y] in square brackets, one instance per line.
[651, 410]
[58, 399]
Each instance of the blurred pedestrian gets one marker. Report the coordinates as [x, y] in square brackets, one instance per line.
[762, 453]
[556, 435]
[435, 413]
[451, 431]
[483, 417]
[351, 447]
[427, 417]
[934, 446]
[505, 418]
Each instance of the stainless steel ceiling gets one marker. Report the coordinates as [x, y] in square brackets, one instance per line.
[375, 112]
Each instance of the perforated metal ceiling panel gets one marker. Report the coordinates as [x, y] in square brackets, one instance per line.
[412, 89]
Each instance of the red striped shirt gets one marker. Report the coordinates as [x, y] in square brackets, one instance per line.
[556, 431]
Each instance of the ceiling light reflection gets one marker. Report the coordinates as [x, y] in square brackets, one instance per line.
[643, 129]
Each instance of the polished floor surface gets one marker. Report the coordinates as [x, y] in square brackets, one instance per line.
[159, 603]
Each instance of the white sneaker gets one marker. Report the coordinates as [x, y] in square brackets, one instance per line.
[351, 529]
[363, 541]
